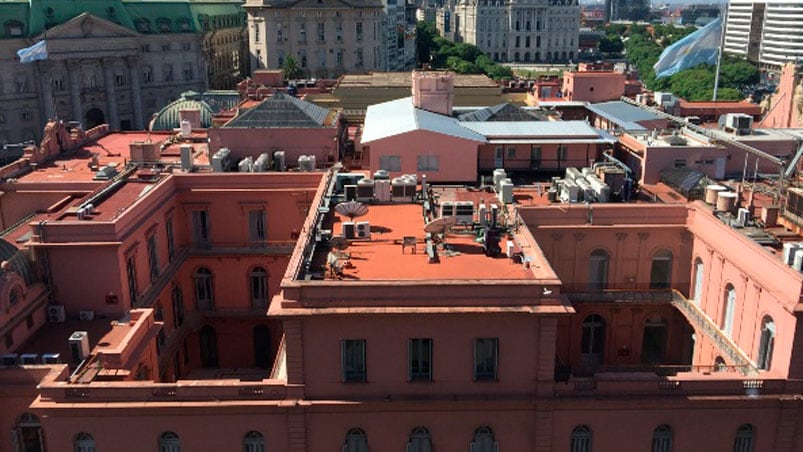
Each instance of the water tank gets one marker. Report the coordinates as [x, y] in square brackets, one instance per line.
[711, 193]
[505, 192]
[552, 195]
[726, 201]
[312, 163]
[499, 174]
[186, 129]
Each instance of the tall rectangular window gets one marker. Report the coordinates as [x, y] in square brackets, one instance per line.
[420, 359]
[131, 272]
[486, 358]
[256, 225]
[321, 32]
[353, 361]
[167, 73]
[428, 163]
[390, 162]
[358, 30]
[171, 245]
[200, 228]
[153, 257]
[187, 71]
[563, 153]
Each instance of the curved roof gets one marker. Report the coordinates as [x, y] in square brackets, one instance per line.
[208, 103]
[18, 261]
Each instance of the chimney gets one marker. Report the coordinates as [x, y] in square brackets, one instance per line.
[193, 115]
[433, 91]
[144, 151]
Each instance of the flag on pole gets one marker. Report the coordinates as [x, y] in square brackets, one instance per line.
[700, 47]
[35, 52]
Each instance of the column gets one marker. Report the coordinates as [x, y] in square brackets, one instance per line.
[74, 79]
[111, 99]
[46, 88]
[136, 95]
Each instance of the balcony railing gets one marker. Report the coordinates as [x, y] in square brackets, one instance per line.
[622, 296]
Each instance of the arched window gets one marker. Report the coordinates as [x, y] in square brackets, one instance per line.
[598, 270]
[767, 343]
[661, 272]
[27, 434]
[262, 356]
[743, 441]
[259, 288]
[169, 442]
[420, 440]
[698, 280]
[208, 339]
[581, 439]
[253, 441]
[178, 306]
[719, 364]
[593, 341]
[84, 443]
[484, 441]
[662, 439]
[204, 290]
[356, 441]
[730, 307]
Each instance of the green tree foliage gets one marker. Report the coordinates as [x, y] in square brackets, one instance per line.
[290, 69]
[462, 58]
[611, 44]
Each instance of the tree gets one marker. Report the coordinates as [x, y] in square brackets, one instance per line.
[611, 44]
[291, 69]
[425, 33]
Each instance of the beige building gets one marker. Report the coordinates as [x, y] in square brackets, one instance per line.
[540, 31]
[326, 38]
[117, 65]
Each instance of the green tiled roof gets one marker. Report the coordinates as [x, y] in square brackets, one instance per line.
[143, 16]
[208, 103]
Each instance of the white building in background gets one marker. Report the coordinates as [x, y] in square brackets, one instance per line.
[540, 31]
[327, 38]
[769, 32]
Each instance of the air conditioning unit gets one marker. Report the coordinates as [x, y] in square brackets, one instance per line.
[262, 163]
[382, 190]
[29, 358]
[279, 161]
[79, 346]
[51, 358]
[10, 359]
[55, 313]
[363, 230]
[86, 315]
[464, 211]
[743, 217]
[349, 230]
[447, 209]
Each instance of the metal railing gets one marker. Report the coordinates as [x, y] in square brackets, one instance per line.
[622, 296]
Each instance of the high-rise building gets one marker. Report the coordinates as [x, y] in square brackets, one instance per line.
[114, 62]
[626, 9]
[766, 32]
[539, 31]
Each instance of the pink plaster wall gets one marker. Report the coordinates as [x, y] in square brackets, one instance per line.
[593, 86]
[577, 155]
[321, 142]
[782, 111]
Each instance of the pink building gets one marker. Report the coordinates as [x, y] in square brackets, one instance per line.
[593, 86]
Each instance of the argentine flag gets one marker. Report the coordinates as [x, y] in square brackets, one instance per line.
[35, 52]
[700, 47]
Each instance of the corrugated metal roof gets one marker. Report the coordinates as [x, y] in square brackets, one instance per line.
[282, 111]
[400, 116]
[533, 129]
[502, 112]
[623, 114]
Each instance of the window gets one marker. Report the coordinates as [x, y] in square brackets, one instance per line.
[743, 441]
[165, 47]
[58, 84]
[169, 442]
[420, 359]
[26, 115]
[186, 46]
[661, 272]
[208, 340]
[339, 31]
[262, 348]
[390, 162]
[339, 57]
[679, 163]
[730, 307]
[147, 74]
[256, 225]
[698, 280]
[9, 340]
[279, 37]
[167, 73]
[598, 270]
[321, 32]
[119, 79]
[486, 358]
[259, 288]
[153, 257]
[428, 163]
[511, 152]
[131, 272]
[563, 152]
[14, 28]
[204, 290]
[178, 306]
[253, 442]
[484, 441]
[592, 345]
[187, 71]
[256, 32]
[171, 246]
[302, 32]
[27, 435]
[358, 30]
[29, 322]
[356, 441]
[535, 157]
[84, 442]
[353, 360]
[662, 439]
[719, 364]
[200, 228]
[14, 295]
[766, 344]
[163, 24]
[581, 439]
[360, 58]
[420, 440]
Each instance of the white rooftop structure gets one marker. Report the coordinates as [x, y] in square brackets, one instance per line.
[400, 116]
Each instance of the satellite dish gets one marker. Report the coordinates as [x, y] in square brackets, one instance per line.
[351, 209]
[441, 225]
[338, 242]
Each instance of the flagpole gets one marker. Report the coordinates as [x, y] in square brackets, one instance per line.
[719, 53]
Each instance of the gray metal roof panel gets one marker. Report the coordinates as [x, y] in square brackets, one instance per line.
[281, 111]
[399, 116]
[533, 129]
[622, 113]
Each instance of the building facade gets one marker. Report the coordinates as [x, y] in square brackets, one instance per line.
[115, 63]
[326, 38]
[626, 10]
[766, 32]
[541, 31]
